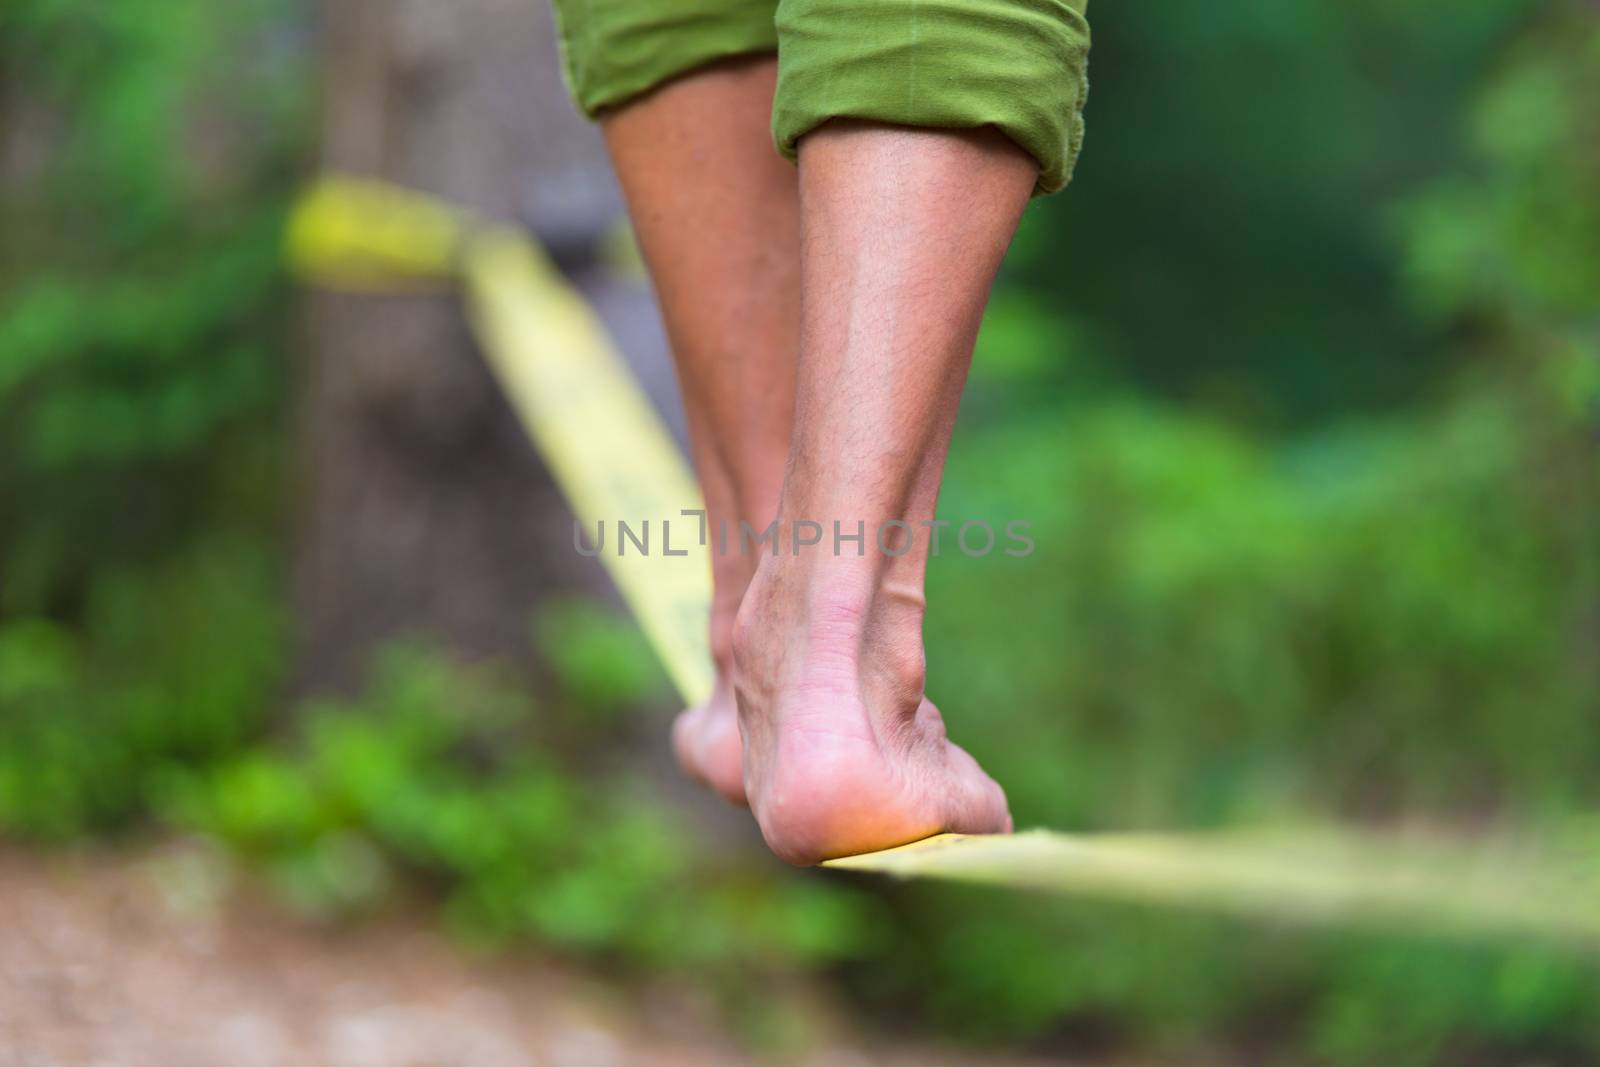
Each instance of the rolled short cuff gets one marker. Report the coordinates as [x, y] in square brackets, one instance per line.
[614, 50]
[1018, 65]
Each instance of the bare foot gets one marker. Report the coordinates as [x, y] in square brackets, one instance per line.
[705, 738]
[706, 741]
[843, 753]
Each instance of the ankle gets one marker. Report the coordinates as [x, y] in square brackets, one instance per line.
[721, 638]
[789, 595]
[833, 624]
[730, 583]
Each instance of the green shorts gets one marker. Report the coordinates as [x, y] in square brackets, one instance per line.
[1019, 65]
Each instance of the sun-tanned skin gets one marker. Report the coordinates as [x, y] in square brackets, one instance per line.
[872, 270]
[717, 214]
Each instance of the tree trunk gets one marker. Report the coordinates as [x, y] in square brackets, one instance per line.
[422, 507]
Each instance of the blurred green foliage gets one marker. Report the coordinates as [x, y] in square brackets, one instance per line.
[1224, 238]
[1356, 574]
[175, 664]
[152, 146]
[444, 771]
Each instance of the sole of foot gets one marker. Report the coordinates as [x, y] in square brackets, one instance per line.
[843, 754]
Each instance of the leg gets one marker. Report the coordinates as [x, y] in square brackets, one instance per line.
[717, 214]
[903, 230]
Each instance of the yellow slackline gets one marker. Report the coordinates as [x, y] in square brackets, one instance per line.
[1304, 875]
[615, 461]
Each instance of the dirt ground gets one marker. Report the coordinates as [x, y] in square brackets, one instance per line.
[157, 959]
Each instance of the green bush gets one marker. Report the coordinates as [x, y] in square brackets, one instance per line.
[171, 666]
[141, 288]
[444, 773]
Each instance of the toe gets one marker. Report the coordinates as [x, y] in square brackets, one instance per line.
[684, 743]
[976, 804]
[723, 756]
